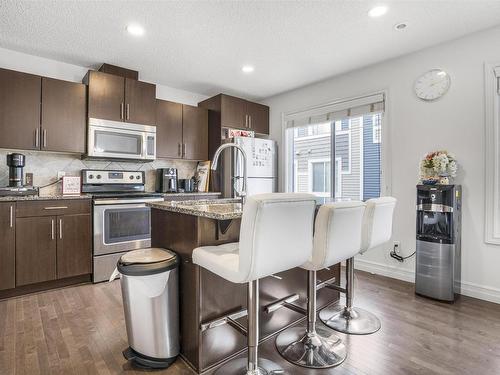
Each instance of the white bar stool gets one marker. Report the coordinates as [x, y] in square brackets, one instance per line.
[337, 237]
[377, 229]
[276, 235]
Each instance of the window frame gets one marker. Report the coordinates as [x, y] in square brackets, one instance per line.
[310, 182]
[492, 154]
[286, 163]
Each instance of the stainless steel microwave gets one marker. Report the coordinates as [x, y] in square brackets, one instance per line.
[120, 140]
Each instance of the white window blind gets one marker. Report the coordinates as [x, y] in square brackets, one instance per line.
[337, 111]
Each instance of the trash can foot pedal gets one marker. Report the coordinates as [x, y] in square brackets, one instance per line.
[145, 362]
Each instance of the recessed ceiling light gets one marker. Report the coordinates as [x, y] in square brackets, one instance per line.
[134, 29]
[378, 11]
[247, 69]
[401, 26]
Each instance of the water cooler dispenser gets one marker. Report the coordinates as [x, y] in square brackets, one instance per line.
[438, 241]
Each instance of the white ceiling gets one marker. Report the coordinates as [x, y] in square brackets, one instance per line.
[200, 46]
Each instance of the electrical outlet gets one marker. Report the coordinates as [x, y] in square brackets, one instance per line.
[396, 246]
[60, 174]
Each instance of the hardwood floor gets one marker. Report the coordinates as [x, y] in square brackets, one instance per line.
[80, 330]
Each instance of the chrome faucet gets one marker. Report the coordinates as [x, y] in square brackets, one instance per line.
[215, 161]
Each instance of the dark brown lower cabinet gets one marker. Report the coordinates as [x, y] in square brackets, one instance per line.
[7, 245]
[35, 249]
[73, 245]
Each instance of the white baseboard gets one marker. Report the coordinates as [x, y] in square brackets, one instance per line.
[384, 270]
[486, 293]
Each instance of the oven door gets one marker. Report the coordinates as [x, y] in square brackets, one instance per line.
[121, 227]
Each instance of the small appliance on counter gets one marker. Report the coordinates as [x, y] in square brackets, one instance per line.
[438, 241]
[16, 163]
[186, 185]
[166, 180]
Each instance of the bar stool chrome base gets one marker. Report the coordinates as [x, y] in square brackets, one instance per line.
[351, 320]
[322, 349]
[239, 367]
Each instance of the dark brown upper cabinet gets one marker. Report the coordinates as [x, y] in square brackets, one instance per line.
[63, 121]
[168, 129]
[181, 131]
[20, 95]
[140, 102]
[258, 117]
[238, 113]
[112, 97]
[233, 112]
[195, 132]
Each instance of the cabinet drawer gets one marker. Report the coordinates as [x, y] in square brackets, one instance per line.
[53, 207]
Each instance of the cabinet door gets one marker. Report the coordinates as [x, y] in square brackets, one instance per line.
[168, 129]
[7, 246]
[35, 249]
[140, 102]
[258, 119]
[106, 96]
[195, 132]
[74, 249]
[63, 116]
[19, 110]
[233, 112]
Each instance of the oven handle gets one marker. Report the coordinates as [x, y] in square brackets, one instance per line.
[126, 201]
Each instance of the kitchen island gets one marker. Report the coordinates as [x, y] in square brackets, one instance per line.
[212, 309]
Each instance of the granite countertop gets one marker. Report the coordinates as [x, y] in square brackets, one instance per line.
[191, 194]
[218, 209]
[12, 198]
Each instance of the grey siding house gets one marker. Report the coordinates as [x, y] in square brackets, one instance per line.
[357, 158]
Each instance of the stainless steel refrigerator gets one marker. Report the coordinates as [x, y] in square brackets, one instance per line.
[261, 166]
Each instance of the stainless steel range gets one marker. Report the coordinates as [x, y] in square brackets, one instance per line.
[121, 220]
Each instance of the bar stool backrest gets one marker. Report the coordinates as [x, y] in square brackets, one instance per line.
[276, 233]
[337, 234]
[377, 222]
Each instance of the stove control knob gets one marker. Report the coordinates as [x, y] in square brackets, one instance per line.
[98, 176]
[138, 177]
[131, 177]
[91, 176]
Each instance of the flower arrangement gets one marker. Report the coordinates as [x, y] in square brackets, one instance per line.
[438, 166]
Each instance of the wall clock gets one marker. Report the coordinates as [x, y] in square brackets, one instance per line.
[432, 85]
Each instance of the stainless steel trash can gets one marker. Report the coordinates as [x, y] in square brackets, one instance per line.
[149, 284]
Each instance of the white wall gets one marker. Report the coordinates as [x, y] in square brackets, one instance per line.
[455, 123]
[55, 69]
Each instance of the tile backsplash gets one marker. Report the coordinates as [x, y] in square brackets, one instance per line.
[45, 165]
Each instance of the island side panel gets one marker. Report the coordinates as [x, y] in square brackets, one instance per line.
[179, 233]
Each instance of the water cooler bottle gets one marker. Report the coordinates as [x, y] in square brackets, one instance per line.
[438, 241]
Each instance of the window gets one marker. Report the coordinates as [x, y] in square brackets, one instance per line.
[377, 128]
[344, 153]
[320, 180]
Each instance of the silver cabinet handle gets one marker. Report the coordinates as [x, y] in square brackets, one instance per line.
[60, 229]
[121, 109]
[276, 277]
[185, 149]
[11, 216]
[44, 137]
[52, 228]
[250, 121]
[128, 111]
[179, 149]
[55, 208]
[37, 137]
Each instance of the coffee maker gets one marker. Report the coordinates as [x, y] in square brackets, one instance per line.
[16, 163]
[166, 180]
